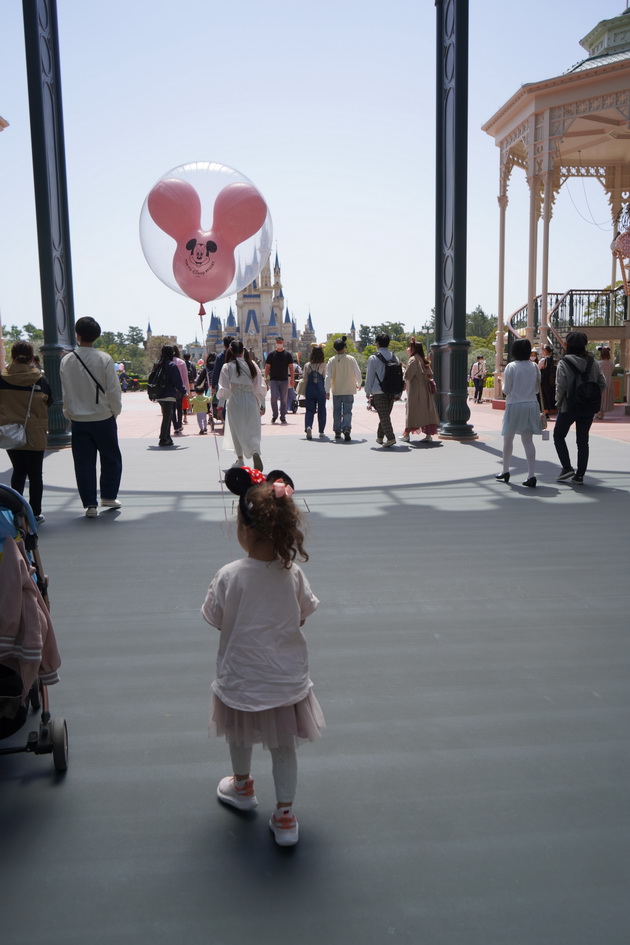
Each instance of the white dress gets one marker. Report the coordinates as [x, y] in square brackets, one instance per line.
[521, 385]
[244, 396]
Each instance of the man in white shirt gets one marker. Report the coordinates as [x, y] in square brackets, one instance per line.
[91, 401]
[478, 376]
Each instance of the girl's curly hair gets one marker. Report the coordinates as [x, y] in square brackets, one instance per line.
[275, 519]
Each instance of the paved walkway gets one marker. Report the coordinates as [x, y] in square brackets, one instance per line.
[471, 656]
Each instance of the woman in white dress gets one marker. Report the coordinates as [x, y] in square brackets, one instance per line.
[242, 385]
[521, 386]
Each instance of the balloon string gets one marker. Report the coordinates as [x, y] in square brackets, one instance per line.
[221, 481]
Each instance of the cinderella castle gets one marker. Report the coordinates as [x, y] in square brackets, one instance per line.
[262, 316]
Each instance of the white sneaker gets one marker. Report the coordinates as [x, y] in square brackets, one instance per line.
[238, 462]
[111, 503]
[239, 794]
[284, 827]
[309, 433]
[405, 437]
[40, 518]
[91, 512]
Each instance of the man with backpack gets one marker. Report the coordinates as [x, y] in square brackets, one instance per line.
[384, 384]
[579, 386]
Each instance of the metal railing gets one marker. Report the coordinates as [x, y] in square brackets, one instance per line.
[572, 310]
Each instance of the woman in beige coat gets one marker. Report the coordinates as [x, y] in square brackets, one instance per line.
[421, 411]
[16, 383]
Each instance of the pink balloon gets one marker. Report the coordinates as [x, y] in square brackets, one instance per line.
[203, 263]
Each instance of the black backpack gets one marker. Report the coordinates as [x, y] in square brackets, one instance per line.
[393, 381]
[157, 382]
[585, 399]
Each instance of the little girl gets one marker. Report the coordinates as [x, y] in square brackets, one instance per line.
[262, 691]
[199, 406]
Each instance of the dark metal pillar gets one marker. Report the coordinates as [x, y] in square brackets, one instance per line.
[450, 351]
[51, 198]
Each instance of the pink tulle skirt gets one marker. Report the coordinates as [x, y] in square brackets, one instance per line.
[283, 727]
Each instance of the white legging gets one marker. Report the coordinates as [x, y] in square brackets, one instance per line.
[284, 767]
[528, 445]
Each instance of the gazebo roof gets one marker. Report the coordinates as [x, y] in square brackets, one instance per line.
[587, 105]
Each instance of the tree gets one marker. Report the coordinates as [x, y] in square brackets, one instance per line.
[366, 337]
[480, 324]
[12, 334]
[32, 333]
[106, 340]
[135, 336]
[395, 330]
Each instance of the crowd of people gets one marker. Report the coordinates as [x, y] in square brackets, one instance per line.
[233, 387]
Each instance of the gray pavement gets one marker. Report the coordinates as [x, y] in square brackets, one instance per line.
[471, 657]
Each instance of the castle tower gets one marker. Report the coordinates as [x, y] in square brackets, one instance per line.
[308, 338]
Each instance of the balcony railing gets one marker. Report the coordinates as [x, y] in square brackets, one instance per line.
[571, 311]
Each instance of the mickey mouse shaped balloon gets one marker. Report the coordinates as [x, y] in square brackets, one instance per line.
[205, 230]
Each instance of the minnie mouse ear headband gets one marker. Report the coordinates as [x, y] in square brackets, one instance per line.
[241, 479]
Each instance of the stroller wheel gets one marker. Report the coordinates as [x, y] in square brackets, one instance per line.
[60, 744]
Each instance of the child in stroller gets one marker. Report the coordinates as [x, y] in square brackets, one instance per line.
[29, 658]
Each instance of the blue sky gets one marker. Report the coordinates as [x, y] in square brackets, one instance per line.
[328, 108]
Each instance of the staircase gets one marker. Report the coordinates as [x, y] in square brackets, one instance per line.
[575, 310]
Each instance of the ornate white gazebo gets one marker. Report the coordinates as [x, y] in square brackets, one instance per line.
[573, 125]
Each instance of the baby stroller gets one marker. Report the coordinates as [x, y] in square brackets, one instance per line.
[29, 658]
[292, 400]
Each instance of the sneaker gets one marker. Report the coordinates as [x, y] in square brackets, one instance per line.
[284, 827]
[390, 442]
[405, 438]
[283, 420]
[238, 462]
[566, 474]
[91, 512]
[239, 794]
[322, 435]
[379, 440]
[309, 433]
[577, 479]
[273, 419]
[346, 435]
[257, 461]
[111, 503]
[337, 436]
[40, 518]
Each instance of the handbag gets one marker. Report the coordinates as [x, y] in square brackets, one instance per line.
[13, 435]
[432, 386]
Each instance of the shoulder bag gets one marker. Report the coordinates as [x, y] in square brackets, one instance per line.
[13, 435]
